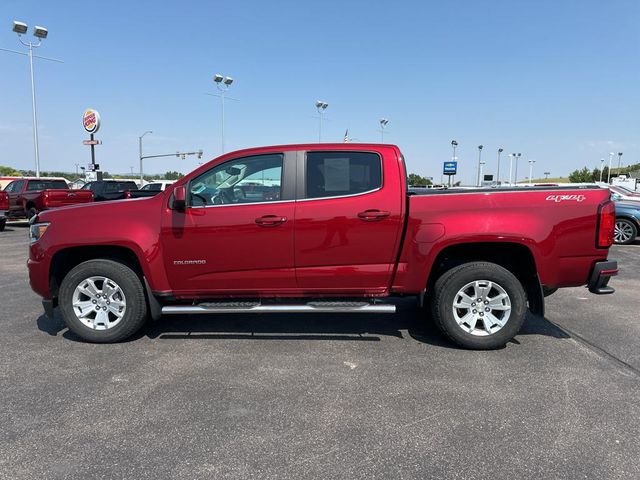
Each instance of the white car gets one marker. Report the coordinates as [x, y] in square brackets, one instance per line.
[625, 193]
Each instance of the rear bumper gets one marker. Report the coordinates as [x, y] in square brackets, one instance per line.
[602, 272]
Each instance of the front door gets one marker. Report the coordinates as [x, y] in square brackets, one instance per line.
[348, 222]
[235, 237]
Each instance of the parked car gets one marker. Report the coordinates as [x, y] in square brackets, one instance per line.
[337, 231]
[149, 190]
[4, 207]
[627, 220]
[625, 193]
[28, 196]
[110, 189]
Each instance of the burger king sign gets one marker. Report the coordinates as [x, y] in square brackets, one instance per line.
[91, 120]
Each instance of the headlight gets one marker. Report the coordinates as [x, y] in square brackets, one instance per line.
[36, 231]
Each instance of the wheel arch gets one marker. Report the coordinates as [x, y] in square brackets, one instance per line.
[64, 260]
[515, 257]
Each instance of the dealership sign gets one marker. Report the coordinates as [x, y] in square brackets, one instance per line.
[91, 120]
[450, 168]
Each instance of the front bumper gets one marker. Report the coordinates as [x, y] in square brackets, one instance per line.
[602, 272]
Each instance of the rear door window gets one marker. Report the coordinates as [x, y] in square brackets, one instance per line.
[334, 174]
[35, 185]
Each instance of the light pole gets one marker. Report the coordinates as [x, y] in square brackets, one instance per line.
[383, 123]
[517, 157]
[611, 154]
[479, 162]
[40, 33]
[141, 157]
[320, 107]
[77, 165]
[546, 175]
[500, 150]
[222, 84]
[531, 162]
[511, 155]
[619, 159]
[601, 168]
[454, 144]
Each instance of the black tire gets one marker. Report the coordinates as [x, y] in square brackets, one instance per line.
[451, 282]
[31, 213]
[3, 223]
[630, 226]
[136, 306]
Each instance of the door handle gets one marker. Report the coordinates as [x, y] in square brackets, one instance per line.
[270, 220]
[373, 215]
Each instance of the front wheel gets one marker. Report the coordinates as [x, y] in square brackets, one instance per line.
[479, 305]
[625, 231]
[103, 301]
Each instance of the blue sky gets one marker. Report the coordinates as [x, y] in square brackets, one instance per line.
[558, 80]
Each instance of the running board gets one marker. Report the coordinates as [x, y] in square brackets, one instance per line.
[250, 307]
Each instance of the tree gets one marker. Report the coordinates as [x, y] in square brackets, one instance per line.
[173, 175]
[581, 176]
[9, 172]
[416, 180]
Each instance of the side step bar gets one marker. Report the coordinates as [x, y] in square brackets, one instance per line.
[248, 307]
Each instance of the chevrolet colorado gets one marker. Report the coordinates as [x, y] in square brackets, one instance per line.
[321, 228]
[28, 196]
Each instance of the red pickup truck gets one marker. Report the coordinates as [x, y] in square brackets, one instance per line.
[321, 228]
[28, 196]
[4, 207]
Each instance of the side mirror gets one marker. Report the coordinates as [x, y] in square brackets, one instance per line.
[179, 198]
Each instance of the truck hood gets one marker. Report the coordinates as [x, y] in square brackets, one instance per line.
[101, 210]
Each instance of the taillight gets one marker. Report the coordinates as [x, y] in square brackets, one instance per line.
[45, 199]
[606, 224]
[127, 194]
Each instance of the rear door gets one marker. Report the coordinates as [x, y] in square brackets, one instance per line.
[348, 221]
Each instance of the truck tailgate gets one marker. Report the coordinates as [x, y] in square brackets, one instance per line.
[60, 198]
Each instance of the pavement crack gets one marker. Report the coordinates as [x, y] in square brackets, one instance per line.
[598, 350]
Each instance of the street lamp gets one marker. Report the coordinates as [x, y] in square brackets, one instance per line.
[40, 33]
[383, 123]
[601, 168]
[531, 162]
[619, 159]
[546, 175]
[611, 154]
[517, 157]
[320, 107]
[222, 84]
[479, 162]
[140, 145]
[500, 150]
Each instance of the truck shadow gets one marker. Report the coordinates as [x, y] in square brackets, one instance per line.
[408, 322]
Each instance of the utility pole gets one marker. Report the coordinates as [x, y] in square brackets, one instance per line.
[601, 168]
[40, 33]
[479, 164]
[222, 84]
[141, 157]
[611, 154]
[320, 107]
[500, 150]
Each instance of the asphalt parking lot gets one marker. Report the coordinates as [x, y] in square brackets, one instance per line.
[276, 396]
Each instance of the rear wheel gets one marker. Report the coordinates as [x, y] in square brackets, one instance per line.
[3, 223]
[103, 301]
[479, 305]
[625, 231]
[31, 212]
